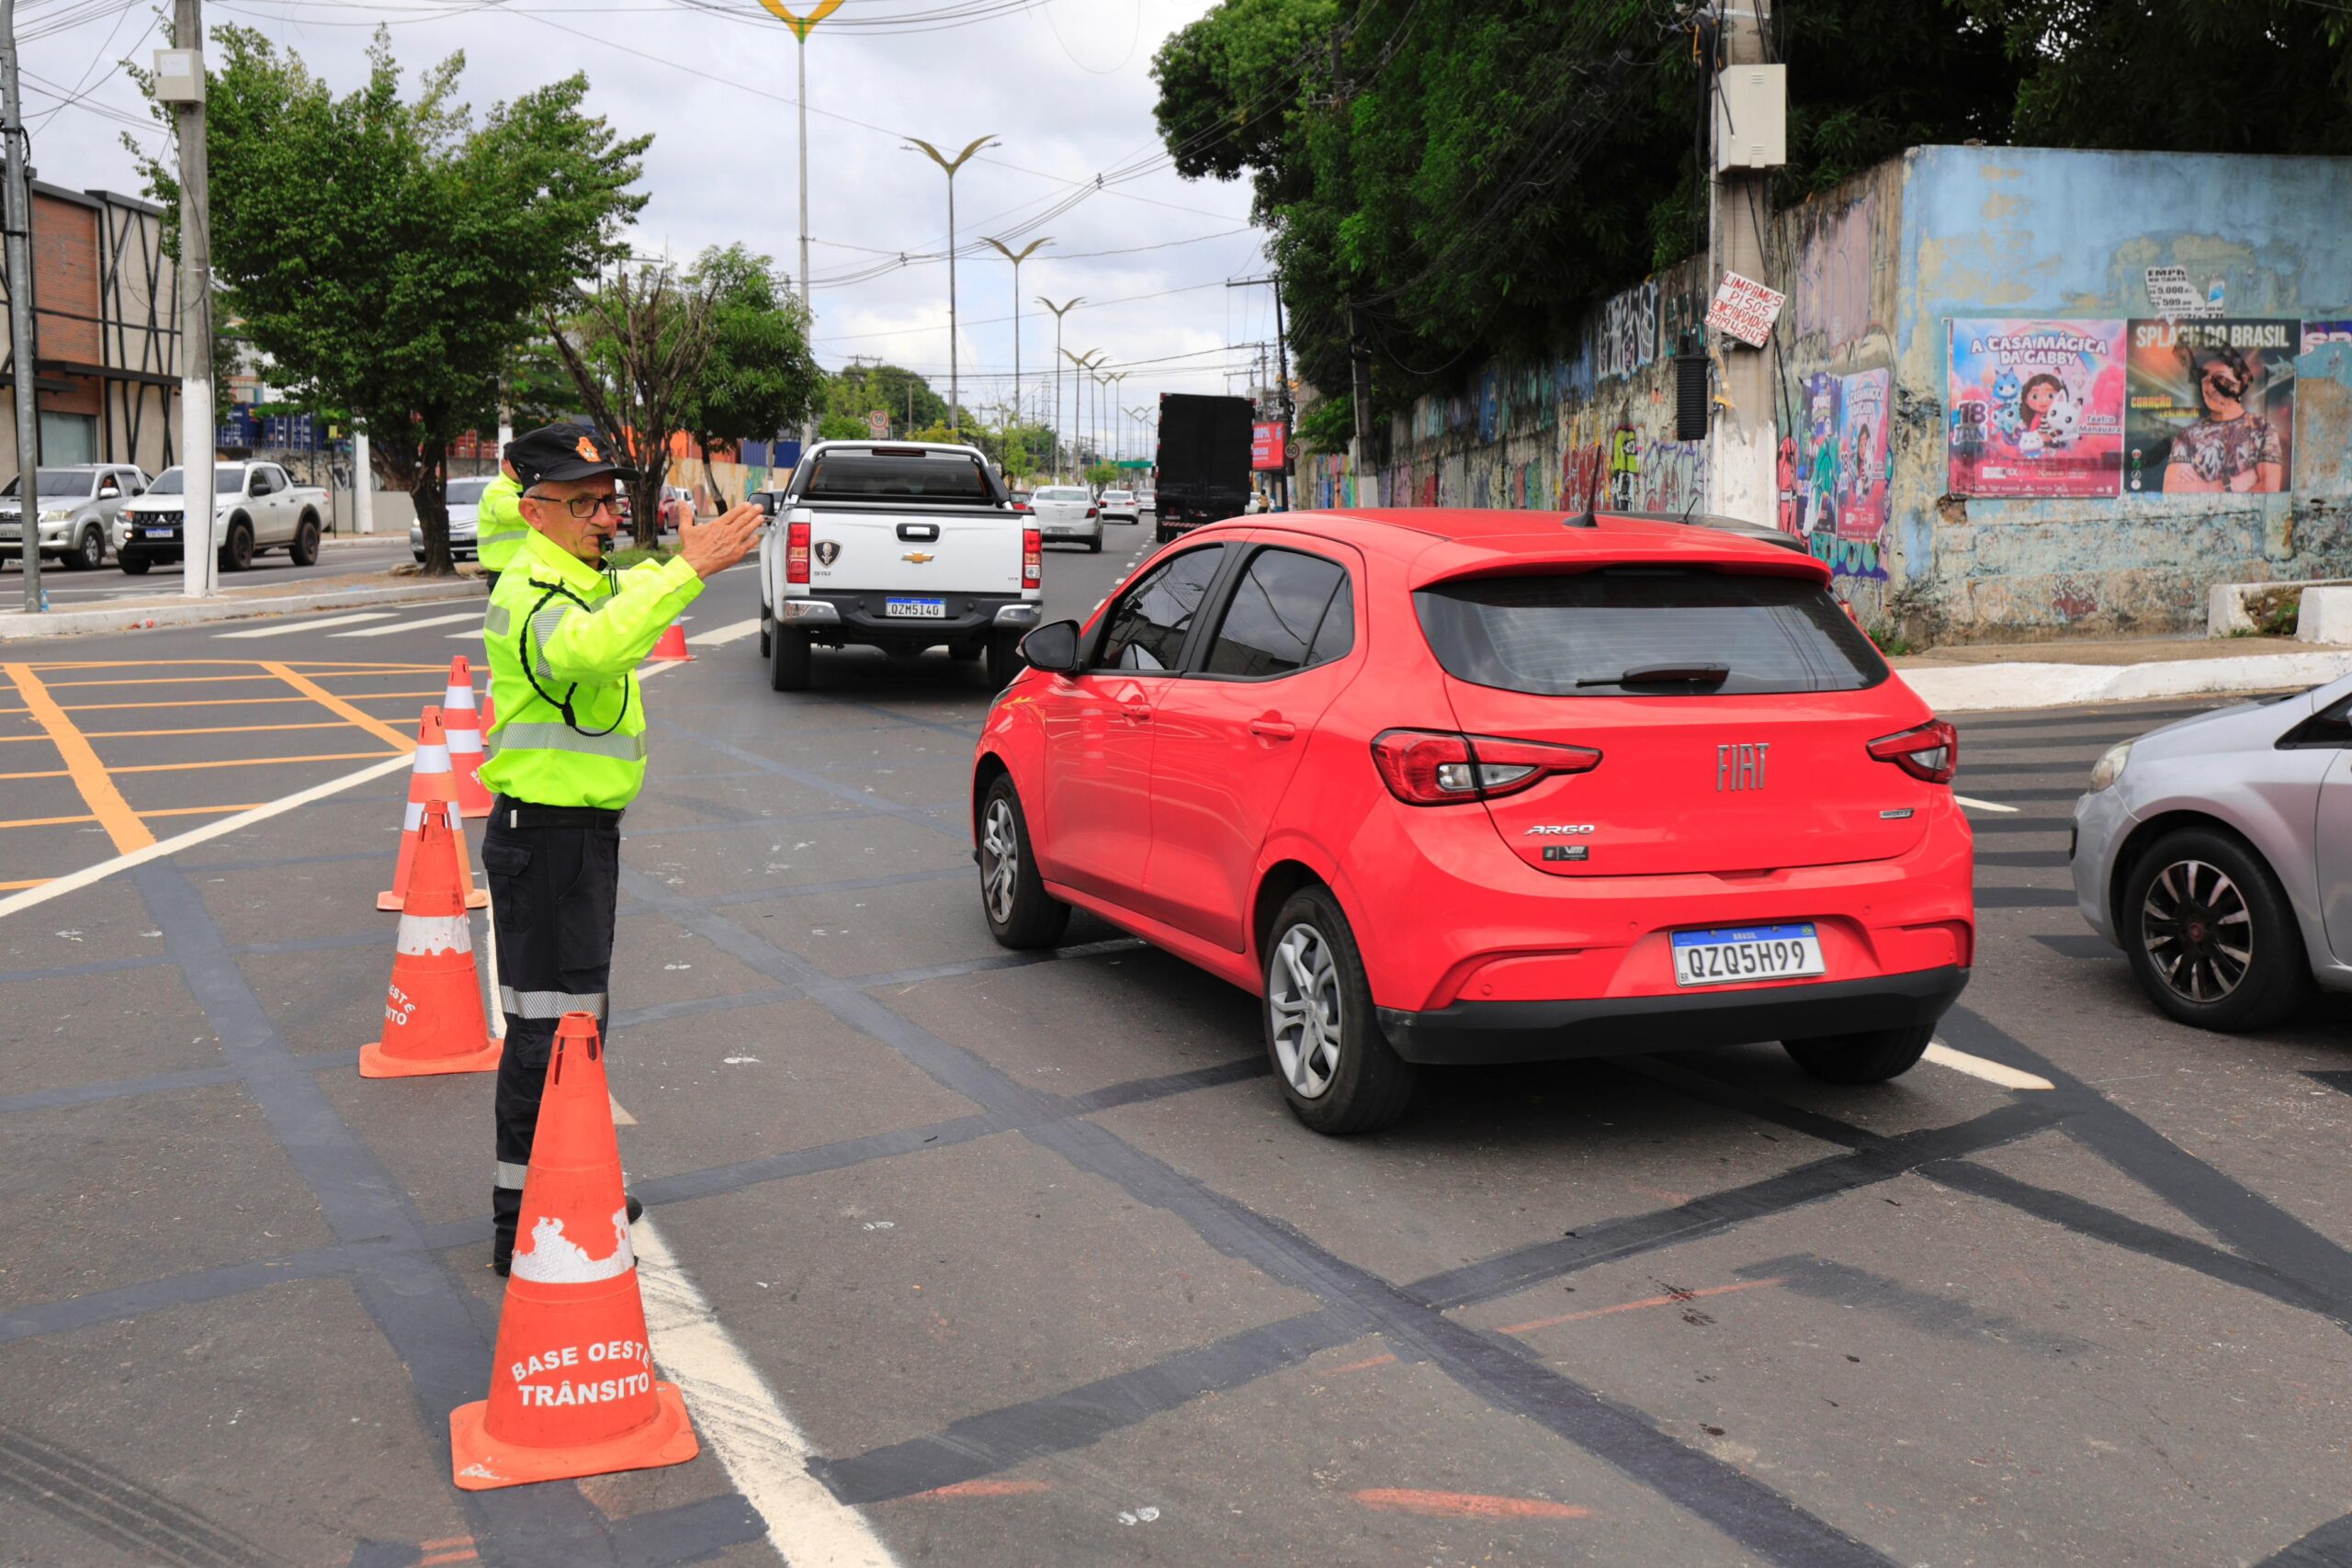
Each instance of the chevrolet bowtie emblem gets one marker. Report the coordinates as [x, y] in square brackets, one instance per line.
[916, 557]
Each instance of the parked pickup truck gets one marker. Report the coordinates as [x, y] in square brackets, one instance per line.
[74, 511]
[899, 546]
[256, 508]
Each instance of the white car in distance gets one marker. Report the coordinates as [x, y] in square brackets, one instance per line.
[1119, 506]
[1067, 512]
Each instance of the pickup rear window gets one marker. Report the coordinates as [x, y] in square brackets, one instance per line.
[1581, 635]
[864, 476]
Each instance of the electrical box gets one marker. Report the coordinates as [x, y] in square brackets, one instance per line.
[179, 77]
[1752, 118]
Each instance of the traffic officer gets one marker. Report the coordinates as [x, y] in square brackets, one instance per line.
[498, 522]
[565, 635]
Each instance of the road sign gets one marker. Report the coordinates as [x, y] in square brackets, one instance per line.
[1745, 309]
[877, 424]
[1266, 452]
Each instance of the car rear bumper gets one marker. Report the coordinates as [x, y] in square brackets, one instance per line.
[862, 617]
[1470, 1034]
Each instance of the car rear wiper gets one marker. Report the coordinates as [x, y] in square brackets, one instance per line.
[1664, 675]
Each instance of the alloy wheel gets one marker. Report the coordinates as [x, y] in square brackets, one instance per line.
[1302, 994]
[999, 859]
[2196, 930]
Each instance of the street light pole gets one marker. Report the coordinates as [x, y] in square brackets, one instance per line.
[1085, 363]
[1016, 258]
[1064, 309]
[23, 354]
[1110, 392]
[800, 26]
[950, 165]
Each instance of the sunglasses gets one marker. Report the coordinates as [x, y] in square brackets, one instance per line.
[581, 506]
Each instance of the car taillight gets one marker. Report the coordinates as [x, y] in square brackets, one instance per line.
[1023, 508]
[796, 553]
[1033, 558]
[1931, 752]
[1430, 767]
[1093, 512]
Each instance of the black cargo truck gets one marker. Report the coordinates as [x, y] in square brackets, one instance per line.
[1203, 460]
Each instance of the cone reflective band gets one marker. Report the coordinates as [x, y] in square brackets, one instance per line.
[433, 1013]
[572, 1389]
[429, 780]
[464, 729]
[672, 645]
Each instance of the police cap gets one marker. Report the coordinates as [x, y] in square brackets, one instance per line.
[558, 452]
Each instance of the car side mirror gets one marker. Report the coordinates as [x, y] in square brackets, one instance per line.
[107, 492]
[1052, 648]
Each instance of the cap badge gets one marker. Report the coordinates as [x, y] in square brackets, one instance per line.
[587, 449]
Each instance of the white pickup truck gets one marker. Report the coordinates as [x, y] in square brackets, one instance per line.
[256, 508]
[900, 546]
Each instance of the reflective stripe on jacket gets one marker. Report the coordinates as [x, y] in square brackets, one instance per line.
[583, 634]
[498, 523]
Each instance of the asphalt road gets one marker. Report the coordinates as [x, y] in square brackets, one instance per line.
[998, 1260]
[87, 589]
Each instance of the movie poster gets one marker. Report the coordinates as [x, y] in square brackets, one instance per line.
[2036, 407]
[2212, 407]
[1863, 467]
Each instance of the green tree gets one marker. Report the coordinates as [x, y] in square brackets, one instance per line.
[758, 377]
[636, 344]
[387, 253]
[842, 427]
[856, 390]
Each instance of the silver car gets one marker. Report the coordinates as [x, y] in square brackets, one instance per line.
[1067, 512]
[465, 516]
[77, 509]
[2217, 853]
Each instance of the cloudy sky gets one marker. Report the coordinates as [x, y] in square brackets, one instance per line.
[1064, 86]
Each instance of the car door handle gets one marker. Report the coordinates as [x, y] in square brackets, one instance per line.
[1137, 713]
[1272, 729]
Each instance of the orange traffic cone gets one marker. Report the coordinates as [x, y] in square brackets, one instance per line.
[429, 780]
[433, 1013]
[464, 727]
[571, 1391]
[672, 645]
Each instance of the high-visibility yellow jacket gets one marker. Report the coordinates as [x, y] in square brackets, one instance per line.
[564, 642]
[498, 523]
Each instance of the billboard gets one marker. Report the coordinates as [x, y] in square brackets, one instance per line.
[2212, 406]
[1267, 450]
[2035, 407]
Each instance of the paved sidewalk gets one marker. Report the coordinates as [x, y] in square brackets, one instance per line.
[238, 602]
[2041, 674]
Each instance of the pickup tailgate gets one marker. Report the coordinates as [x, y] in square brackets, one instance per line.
[913, 550]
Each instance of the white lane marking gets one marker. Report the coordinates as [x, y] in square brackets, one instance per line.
[620, 1118]
[2000, 1073]
[472, 636]
[1984, 805]
[737, 1413]
[286, 629]
[474, 616]
[719, 635]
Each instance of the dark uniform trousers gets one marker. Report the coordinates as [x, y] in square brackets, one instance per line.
[554, 875]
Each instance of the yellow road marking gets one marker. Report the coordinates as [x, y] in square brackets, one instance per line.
[162, 681]
[335, 704]
[49, 774]
[98, 792]
[313, 664]
[12, 886]
[247, 762]
[231, 702]
[167, 811]
[205, 730]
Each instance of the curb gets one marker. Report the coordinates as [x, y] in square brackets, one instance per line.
[21, 627]
[1992, 687]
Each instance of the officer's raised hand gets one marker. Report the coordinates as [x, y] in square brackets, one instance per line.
[711, 547]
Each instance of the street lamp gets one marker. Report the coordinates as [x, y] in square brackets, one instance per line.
[1064, 309]
[1139, 415]
[950, 165]
[1085, 363]
[800, 26]
[1111, 384]
[1016, 258]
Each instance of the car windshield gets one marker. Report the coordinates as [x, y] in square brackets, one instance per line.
[876, 476]
[1647, 631]
[226, 480]
[466, 493]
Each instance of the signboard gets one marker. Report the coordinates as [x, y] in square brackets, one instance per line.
[1745, 309]
[1266, 449]
[2212, 407]
[877, 424]
[2035, 407]
[2172, 295]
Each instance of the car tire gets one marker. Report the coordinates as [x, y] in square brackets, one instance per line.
[1337, 1071]
[237, 546]
[1873, 1056]
[419, 554]
[1004, 660]
[1021, 914]
[1159, 534]
[789, 661]
[89, 551]
[133, 566]
[767, 635]
[304, 550]
[1094, 545]
[2171, 931]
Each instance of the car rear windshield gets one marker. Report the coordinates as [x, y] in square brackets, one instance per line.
[1062, 492]
[1589, 634]
[863, 476]
[466, 493]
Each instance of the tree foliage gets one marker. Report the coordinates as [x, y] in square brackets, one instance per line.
[387, 253]
[759, 376]
[636, 344]
[1448, 180]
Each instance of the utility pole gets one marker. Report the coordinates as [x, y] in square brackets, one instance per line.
[363, 481]
[1060, 432]
[24, 354]
[799, 25]
[1742, 439]
[179, 80]
[950, 165]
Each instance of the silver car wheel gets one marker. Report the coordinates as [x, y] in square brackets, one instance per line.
[1303, 999]
[999, 859]
[2197, 931]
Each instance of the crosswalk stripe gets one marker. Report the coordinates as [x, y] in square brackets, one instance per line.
[287, 628]
[474, 616]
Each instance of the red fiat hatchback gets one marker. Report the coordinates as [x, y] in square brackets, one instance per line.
[1490, 786]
